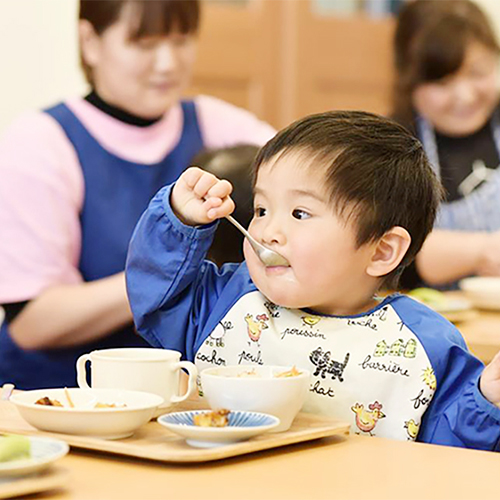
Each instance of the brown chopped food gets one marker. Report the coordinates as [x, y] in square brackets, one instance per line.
[293, 372]
[48, 402]
[216, 418]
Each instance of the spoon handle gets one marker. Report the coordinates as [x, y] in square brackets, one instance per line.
[239, 226]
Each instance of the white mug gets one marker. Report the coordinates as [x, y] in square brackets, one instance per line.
[138, 369]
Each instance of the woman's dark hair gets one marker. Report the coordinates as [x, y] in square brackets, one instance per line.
[430, 42]
[376, 173]
[151, 18]
[234, 164]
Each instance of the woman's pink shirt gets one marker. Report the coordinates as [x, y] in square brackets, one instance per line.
[42, 188]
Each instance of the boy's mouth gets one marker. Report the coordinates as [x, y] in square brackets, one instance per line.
[277, 270]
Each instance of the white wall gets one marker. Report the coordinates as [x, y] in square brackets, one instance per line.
[38, 55]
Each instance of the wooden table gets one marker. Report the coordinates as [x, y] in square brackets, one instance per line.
[481, 332]
[335, 468]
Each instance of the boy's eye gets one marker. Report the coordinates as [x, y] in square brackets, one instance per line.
[259, 212]
[300, 214]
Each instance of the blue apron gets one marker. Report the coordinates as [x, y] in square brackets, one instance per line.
[478, 211]
[116, 194]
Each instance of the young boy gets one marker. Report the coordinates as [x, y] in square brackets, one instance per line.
[348, 199]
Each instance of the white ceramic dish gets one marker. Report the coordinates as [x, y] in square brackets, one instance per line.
[44, 451]
[483, 292]
[264, 392]
[84, 419]
[242, 425]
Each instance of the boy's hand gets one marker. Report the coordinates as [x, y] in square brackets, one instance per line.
[490, 381]
[199, 197]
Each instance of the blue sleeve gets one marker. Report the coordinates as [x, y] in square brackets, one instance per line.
[458, 415]
[171, 287]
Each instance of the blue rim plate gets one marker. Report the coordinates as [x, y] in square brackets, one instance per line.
[242, 425]
[44, 451]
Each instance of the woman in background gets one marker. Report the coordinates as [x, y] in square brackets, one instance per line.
[446, 56]
[76, 178]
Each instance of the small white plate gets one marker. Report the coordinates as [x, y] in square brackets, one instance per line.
[44, 451]
[242, 425]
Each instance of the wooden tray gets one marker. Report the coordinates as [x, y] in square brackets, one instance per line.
[49, 479]
[155, 442]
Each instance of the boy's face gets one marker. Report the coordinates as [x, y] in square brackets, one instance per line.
[294, 217]
[461, 103]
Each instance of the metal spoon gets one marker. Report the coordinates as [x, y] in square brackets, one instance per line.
[268, 257]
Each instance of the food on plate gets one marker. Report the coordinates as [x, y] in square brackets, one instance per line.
[46, 401]
[217, 418]
[293, 372]
[14, 447]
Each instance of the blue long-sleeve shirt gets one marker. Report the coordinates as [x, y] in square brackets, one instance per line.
[400, 370]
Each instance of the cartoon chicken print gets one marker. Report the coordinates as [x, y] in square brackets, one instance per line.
[310, 320]
[366, 420]
[429, 378]
[255, 326]
[412, 429]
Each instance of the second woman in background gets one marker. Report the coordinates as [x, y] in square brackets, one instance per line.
[76, 178]
[446, 56]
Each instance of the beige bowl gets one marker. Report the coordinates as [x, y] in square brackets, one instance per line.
[256, 388]
[133, 409]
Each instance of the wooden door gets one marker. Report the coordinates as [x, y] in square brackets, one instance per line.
[238, 55]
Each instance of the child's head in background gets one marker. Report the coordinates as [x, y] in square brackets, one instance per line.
[234, 164]
[446, 57]
[348, 199]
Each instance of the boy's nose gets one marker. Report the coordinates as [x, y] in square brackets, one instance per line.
[273, 234]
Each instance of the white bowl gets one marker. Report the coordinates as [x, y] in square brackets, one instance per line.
[225, 387]
[84, 419]
[242, 425]
[483, 292]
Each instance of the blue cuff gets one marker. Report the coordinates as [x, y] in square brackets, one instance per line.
[483, 404]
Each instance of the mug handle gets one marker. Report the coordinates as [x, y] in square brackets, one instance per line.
[81, 371]
[193, 373]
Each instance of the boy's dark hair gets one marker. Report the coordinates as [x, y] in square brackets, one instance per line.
[152, 17]
[376, 173]
[430, 41]
[234, 164]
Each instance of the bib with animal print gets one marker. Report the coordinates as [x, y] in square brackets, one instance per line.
[369, 370]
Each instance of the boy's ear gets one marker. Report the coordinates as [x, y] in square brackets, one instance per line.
[89, 42]
[389, 252]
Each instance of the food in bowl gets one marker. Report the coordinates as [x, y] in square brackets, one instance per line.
[276, 390]
[217, 418]
[46, 401]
